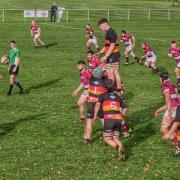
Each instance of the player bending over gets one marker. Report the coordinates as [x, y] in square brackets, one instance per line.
[13, 68]
[171, 109]
[174, 52]
[36, 33]
[114, 110]
[129, 42]
[150, 57]
[85, 76]
[92, 40]
[96, 88]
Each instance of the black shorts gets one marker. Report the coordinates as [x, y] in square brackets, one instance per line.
[11, 70]
[177, 117]
[113, 58]
[111, 125]
[90, 111]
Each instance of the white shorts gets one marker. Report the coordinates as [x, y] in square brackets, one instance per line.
[128, 49]
[37, 36]
[85, 94]
[173, 112]
[178, 65]
[93, 40]
[151, 59]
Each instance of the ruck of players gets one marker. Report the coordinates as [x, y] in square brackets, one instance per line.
[103, 88]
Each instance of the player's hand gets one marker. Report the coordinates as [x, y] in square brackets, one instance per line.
[166, 136]
[75, 93]
[169, 54]
[157, 114]
[103, 59]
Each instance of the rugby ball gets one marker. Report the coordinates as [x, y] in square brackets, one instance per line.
[5, 59]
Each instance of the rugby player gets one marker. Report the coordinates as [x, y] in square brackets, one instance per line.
[96, 88]
[85, 76]
[36, 33]
[150, 57]
[93, 60]
[129, 42]
[171, 108]
[174, 52]
[14, 61]
[111, 59]
[114, 110]
[91, 38]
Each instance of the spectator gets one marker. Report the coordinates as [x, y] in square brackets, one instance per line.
[53, 12]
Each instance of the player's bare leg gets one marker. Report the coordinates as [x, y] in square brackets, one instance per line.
[126, 54]
[82, 100]
[88, 131]
[135, 57]
[89, 44]
[35, 42]
[117, 78]
[41, 42]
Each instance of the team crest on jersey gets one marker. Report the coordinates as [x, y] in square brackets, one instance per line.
[96, 82]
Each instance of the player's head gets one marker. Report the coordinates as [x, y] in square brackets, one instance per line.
[97, 72]
[88, 25]
[164, 76]
[173, 44]
[80, 65]
[90, 54]
[33, 22]
[13, 44]
[123, 32]
[103, 24]
[108, 83]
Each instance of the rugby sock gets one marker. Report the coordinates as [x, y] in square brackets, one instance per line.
[178, 81]
[18, 85]
[136, 58]
[174, 140]
[10, 88]
[127, 59]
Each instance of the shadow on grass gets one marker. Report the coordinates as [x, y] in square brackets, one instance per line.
[141, 118]
[10, 126]
[51, 44]
[41, 85]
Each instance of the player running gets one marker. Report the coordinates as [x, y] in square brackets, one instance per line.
[172, 115]
[150, 57]
[129, 42]
[114, 110]
[85, 76]
[93, 60]
[92, 40]
[174, 52]
[111, 59]
[96, 88]
[13, 68]
[36, 33]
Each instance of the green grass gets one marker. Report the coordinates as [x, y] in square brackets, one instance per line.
[40, 137]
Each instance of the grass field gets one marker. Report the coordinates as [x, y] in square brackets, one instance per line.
[40, 137]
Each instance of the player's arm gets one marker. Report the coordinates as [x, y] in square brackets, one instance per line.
[80, 87]
[158, 111]
[168, 103]
[39, 30]
[133, 41]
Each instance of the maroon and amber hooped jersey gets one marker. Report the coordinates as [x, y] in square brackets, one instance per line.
[112, 105]
[90, 32]
[127, 39]
[35, 28]
[175, 54]
[171, 88]
[111, 37]
[96, 88]
[85, 77]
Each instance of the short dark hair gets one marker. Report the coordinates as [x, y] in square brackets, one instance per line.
[104, 20]
[123, 31]
[164, 75]
[90, 52]
[81, 62]
[88, 24]
[173, 42]
[14, 42]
